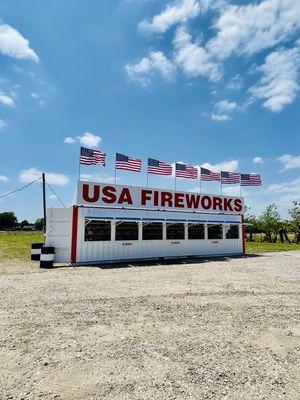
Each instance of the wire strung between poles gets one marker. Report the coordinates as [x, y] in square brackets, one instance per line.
[20, 188]
[56, 195]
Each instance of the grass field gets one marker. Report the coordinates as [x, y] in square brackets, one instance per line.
[16, 245]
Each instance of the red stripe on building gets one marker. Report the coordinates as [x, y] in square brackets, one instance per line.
[243, 234]
[74, 234]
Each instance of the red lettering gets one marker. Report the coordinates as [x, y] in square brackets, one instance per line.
[217, 203]
[238, 205]
[166, 197]
[86, 195]
[145, 196]
[206, 202]
[109, 192]
[227, 204]
[178, 200]
[192, 200]
[155, 201]
[125, 197]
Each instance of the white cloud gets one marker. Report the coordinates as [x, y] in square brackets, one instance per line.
[194, 60]
[222, 109]
[99, 178]
[289, 161]
[220, 117]
[3, 125]
[87, 139]
[258, 160]
[231, 165]
[13, 44]
[279, 82]
[143, 71]
[31, 174]
[179, 12]
[225, 106]
[38, 98]
[247, 29]
[6, 99]
[286, 187]
[70, 140]
[235, 83]
[4, 178]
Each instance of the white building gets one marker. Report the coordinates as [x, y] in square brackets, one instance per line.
[118, 223]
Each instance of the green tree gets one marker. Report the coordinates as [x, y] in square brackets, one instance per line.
[270, 222]
[24, 223]
[8, 220]
[39, 224]
[295, 221]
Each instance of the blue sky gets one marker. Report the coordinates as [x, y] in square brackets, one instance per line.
[211, 82]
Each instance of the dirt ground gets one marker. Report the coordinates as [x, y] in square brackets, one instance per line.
[212, 329]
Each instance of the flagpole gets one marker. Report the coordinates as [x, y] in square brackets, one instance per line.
[147, 174]
[240, 186]
[79, 164]
[200, 181]
[115, 172]
[221, 186]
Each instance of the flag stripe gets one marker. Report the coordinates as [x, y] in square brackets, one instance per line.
[91, 157]
[251, 180]
[127, 163]
[230, 177]
[159, 167]
[185, 171]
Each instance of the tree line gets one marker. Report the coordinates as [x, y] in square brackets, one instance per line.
[272, 227]
[8, 221]
[269, 224]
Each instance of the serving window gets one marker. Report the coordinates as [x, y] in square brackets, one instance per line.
[97, 231]
[231, 231]
[175, 231]
[152, 231]
[196, 231]
[127, 231]
[214, 232]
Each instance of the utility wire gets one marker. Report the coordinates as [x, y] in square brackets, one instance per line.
[20, 188]
[61, 202]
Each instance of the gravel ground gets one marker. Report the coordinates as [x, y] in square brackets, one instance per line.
[213, 329]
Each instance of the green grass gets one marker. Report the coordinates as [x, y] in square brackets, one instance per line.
[258, 247]
[17, 245]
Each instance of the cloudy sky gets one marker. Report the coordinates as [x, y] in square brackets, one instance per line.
[212, 82]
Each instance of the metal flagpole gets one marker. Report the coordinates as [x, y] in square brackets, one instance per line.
[200, 181]
[79, 163]
[221, 184]
[147, 173]
[240, 186]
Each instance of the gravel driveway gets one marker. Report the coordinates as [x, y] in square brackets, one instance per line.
[213, 329]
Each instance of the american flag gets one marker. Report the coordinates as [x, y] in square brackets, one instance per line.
[159, 167]
[207, 175]
[251, 180]
[92, 157]
[128, 163]
[230, 177]
[185, 171]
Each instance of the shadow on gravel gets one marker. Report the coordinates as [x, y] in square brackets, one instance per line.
[170, 261]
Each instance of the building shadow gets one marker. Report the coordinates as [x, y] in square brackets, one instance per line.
[161, 262]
